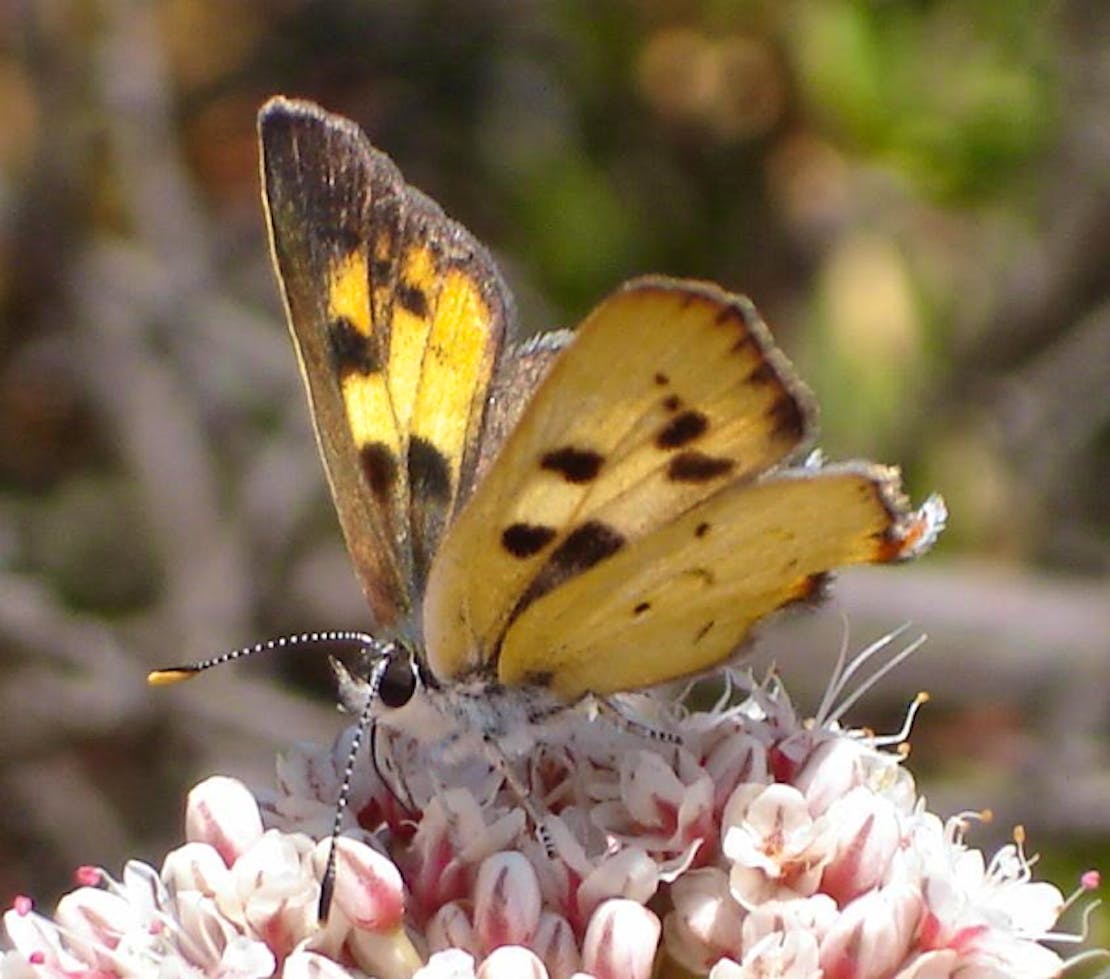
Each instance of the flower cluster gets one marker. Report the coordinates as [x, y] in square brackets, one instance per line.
[746, 842]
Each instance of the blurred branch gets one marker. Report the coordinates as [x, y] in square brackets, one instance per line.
[1035, 643]
[158, 427]
[78, 681]
[135, 102]
[994, 633]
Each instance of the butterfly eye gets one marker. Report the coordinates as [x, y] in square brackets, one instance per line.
[398, 682]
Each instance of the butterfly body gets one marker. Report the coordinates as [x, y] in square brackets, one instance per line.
[454, 720]
[536, 525]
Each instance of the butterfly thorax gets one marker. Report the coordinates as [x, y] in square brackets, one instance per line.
[453, 718]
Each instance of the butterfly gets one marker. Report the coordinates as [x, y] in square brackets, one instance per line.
[537, 524]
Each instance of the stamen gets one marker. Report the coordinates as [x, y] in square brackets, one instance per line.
[899, 737]
[835, 714]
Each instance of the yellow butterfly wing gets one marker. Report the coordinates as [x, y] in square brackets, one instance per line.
[398, 315]
[683, 598]
[669, 392]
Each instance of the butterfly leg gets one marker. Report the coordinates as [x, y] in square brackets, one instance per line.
[496, 757]
[620, 718]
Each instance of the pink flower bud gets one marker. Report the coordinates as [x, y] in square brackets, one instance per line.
[620, 941]
[368, 887]
[739, 758]
[873, 934]
[555, 944]
[830, 772]
[92, 921]
[222, 813]
[450, 927]
[198, 867]
[866, 836]
[506, 901]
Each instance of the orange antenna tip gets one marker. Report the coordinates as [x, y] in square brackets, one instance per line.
[175, 674]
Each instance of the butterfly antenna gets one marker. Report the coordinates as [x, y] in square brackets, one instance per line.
[365, 722]
[175, 674]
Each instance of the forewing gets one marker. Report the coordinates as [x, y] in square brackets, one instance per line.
[683, 598]
[398, 316]
[669, 392]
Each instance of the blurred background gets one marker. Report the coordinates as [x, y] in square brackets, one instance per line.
[916, 193]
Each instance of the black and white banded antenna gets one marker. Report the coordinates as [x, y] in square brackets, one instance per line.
[365, 723]
[365, 642]
[176, 674]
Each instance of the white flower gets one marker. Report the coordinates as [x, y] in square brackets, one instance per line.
[769, 845]
[778, 850]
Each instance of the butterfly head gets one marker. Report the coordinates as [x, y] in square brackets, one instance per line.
[393, 686]
[387, 677]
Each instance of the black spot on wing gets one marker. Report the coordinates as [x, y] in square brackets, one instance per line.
[788, 418]
[429, 472]
[574, 465]
[682, 430]
[379, 468]
[763, 373]
[582, 548]
[697, 467]
[672, 402]
[746, 346]
[524, 540]
[701, 529]
[734, 317]
[538, 678]
[662, 379]
[641, 607]
[351, 352]
[413, 299]
[704, 631]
